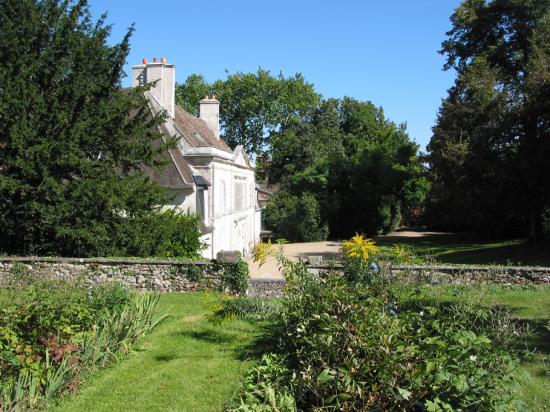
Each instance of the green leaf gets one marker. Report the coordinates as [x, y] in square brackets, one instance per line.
[324, 376]
[404, 393]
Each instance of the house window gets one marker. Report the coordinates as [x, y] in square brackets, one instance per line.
[202, 206]
[239, 186]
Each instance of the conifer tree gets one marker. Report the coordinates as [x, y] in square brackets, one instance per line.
[72, 142]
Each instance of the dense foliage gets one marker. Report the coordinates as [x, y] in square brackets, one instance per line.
[491, 144]
[73, 142]
[253, 105]
[234, 275]
[167, 234]
[295, 218]
[362, 170]
[345, 342]
[51, 333]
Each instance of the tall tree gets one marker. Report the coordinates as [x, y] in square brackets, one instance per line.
[501, 52]
[362, 168]
[71, 154]
[253, 105]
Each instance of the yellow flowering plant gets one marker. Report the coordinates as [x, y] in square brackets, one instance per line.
[262, 251]
[359, 247]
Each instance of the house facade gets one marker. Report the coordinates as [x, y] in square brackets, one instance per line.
[202, 173]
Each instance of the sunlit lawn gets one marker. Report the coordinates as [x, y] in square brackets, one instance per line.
[188, 364]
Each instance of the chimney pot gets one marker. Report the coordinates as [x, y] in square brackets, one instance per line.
[214, 97]
[144, 60]
[164, 76]
[163, 60]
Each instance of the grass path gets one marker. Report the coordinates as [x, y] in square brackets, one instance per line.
[188, 364]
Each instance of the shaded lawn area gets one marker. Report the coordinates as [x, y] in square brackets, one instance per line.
[529, 305]
[188, 364]
[458, 248]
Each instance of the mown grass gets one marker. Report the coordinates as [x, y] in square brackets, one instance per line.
[188, 364]
[458, 248]
[530, 305]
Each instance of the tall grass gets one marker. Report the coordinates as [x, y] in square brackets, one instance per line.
[114, 336]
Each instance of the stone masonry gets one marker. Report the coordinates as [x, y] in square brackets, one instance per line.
[138, 274]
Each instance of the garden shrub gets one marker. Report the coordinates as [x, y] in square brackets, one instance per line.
[295, 218]
[234, 275]
[347, 343]
[167, 234]
[266, 388]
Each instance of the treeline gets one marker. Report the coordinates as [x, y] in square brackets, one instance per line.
[341, 165]
[489, 157]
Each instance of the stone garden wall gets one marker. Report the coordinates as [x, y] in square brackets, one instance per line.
[178, 276]
[138, 274]
[514, 275]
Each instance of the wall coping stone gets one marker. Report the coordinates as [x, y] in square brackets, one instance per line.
[267, 280]
[541, 269]
[113, 261]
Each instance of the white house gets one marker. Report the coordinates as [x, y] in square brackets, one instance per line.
[203, 173]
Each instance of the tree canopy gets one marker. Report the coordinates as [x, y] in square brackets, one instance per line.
[342, 165]
[491, 143]
[73, 143]
[362, 168]
[253, 105]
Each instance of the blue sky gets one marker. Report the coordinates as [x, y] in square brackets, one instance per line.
[382, 51]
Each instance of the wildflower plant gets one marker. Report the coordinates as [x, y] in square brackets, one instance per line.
[359, 247]
[264, 250]
[358, 259]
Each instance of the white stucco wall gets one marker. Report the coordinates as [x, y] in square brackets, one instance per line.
[233, 207]
[235, 224]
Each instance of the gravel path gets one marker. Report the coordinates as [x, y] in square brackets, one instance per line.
[327, 249]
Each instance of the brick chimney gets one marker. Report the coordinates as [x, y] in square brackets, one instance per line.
[165, 75]
[209, 111]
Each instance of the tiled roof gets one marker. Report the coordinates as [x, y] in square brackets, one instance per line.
[178, 174]
[196, 132]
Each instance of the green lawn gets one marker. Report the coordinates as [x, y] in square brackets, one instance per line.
[466, 249]
[188, 364]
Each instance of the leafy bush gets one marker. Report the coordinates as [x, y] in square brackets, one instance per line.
[266, 388]
[234, 275]
[347, 343]
[295, 218]
[167, 234]
[405, 255]
[393, 358]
